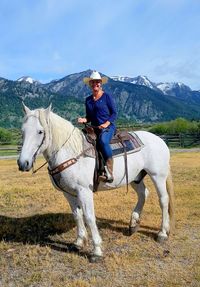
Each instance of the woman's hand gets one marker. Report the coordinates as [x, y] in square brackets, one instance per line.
[104, 125]
[82, 120]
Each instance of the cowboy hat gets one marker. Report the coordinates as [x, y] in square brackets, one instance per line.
[95, 76]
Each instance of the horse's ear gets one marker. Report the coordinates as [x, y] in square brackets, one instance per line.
[25, 108]
[49, 108]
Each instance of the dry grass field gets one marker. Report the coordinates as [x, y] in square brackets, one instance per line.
[36, 230]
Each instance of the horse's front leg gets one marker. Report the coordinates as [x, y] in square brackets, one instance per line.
[77, 212]
[87, 204]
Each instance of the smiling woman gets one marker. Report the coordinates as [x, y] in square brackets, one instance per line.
[101, 113]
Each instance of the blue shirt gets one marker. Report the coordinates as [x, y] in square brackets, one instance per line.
[100, 111]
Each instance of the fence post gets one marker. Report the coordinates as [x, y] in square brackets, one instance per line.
[181, 138]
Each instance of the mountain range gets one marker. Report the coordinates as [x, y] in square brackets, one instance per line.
[138, 99]
[173, 89]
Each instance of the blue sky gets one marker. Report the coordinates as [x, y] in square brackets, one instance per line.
[50, 39]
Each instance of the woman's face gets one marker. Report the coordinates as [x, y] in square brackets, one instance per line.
[95, 85]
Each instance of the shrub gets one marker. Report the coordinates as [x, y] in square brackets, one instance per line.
[177, 126]
[5, 136]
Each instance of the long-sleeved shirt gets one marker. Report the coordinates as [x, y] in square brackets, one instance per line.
[101, 110]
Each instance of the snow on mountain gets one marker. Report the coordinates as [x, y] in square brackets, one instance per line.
[172, 89]
[121, 78]
[144, 81]
[166, 88]
[26, 79]
[140, 80]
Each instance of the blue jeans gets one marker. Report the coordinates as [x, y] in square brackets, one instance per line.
[103, 142]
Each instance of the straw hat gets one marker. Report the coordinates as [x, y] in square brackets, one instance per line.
[95, 76]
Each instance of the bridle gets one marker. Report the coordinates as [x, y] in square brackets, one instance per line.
[42, 142]
[54, 153]
[64, 164]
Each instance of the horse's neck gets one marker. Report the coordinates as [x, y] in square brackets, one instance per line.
[63, 135]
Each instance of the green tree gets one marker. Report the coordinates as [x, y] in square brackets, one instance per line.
[178, 126]
[5, 136]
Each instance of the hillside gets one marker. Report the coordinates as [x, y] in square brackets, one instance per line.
[67, 95]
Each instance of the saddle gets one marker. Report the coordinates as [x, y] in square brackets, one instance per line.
[122, 143]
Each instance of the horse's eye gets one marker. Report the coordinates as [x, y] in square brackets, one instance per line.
[40, 132]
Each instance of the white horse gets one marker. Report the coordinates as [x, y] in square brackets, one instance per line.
[58, 140]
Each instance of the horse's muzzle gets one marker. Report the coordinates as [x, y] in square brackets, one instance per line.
[24, 165]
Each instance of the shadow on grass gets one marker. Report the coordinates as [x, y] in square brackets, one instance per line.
[34, 229]
[123, 227]
[148, 231]
[38, 229]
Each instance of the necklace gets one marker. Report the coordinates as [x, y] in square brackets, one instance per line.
[97, 97]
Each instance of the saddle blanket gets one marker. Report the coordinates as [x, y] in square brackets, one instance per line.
[120, 143]
[131, 145]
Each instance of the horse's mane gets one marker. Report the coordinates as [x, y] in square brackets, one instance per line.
[61, 131]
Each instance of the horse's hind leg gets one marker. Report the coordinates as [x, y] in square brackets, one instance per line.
[78, 217]
[160, 184]
[142, 193]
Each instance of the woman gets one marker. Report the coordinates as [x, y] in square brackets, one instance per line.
[101, 112]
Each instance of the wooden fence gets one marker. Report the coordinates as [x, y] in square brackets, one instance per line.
[182, 140]
[6, 149]
[179, 140]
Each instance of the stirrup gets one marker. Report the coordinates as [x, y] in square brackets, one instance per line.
[109, 175]
[102, 176]
[106, 176]
[110, 180]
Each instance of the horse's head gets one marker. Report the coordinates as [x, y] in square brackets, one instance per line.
[35, 136]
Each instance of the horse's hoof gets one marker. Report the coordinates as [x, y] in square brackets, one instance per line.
[95, 259]
[133, 229]
[74, 248]
[162, 238]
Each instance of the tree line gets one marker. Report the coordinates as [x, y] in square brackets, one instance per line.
[177, 126]
[174, 127]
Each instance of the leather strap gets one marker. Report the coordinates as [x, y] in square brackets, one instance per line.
[62, 166]
[125, 161]
[67, 163]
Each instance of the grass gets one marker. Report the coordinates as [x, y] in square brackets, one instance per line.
[37, 228]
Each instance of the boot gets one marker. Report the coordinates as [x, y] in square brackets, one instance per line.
[109, 169]
[107, 176]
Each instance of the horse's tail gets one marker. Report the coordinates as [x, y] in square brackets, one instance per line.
[170, 191]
